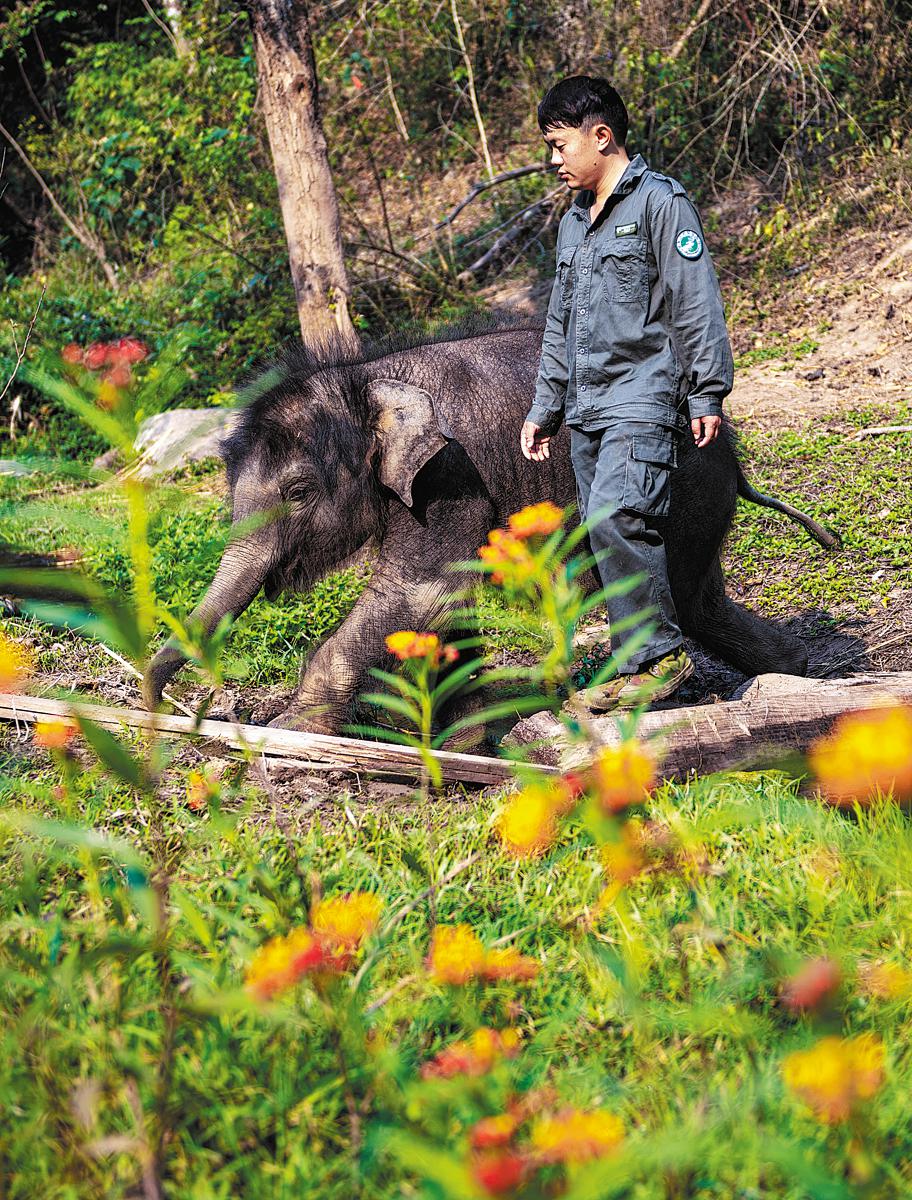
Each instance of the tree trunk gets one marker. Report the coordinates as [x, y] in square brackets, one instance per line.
[175, 18]
[776, 716]
[287, 78]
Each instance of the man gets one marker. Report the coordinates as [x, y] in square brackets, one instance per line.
[635, 336]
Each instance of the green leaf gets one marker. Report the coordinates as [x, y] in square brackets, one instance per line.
[112, 752]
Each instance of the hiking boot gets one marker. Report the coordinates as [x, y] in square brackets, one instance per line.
[657, 681]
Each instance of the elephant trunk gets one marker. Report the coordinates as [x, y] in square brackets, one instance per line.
[237, 581]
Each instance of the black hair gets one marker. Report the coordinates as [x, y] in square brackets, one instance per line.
[581, 101]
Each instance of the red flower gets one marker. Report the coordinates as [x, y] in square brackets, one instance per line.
[119, 375]
[129, 350]
[96, 355]
[813, 984]
[500, 1172]
[72, 353]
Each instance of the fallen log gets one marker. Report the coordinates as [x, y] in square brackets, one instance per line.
[311, 751]
[774, 716]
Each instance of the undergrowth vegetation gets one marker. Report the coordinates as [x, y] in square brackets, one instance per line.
[594, 985]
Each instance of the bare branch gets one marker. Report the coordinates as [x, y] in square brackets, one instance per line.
[20, 353]
[81, 232]
[483, 184]
[473, 95]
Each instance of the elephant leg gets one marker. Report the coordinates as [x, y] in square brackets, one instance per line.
[333, 675]
[737, 635]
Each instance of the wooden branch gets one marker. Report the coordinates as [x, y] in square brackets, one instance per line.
[482, 185]
[877, 430]
[777, 715]
[80, 232]
[689, 31]
[310, 751]
[517, 226]
[473, 94]
[20, 354]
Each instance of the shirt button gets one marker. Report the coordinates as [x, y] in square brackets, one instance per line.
[582, 312]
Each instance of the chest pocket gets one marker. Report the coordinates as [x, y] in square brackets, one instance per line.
[566, 276]
[624, 275]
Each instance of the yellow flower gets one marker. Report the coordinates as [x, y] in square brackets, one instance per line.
[573, 1136]
[528, 824]
[622, 776]
[865, 753]
[835, 1074]
[54, 735]
[408, 644]
[456, 954]
[624, 859]
[282, 961]
[535, 519]
[476, 1055]
[16, 664]
[886, 980]
[508, 963]
[345, 921]
[509, 554]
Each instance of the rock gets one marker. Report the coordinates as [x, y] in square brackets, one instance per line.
[107, 461]
[170, 440]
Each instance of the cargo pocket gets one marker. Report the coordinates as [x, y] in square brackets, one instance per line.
[565, 274]
[651, 458]
[625, 279]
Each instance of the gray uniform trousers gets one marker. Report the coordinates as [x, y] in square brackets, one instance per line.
[623, 479]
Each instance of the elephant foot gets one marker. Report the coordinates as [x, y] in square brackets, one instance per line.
[307, 720]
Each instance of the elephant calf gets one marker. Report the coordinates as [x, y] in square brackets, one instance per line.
[416, 449]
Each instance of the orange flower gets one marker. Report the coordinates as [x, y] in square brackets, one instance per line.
[528, 824]
[507, 963]
[622, 776]
[407, 644]
[96, 355]
[16, 664]
[493, 1131]
[200, 790]
[573, 1136]
[511, 557]
[343, 922]
[536, 519]
[456, 954]
[865, 753]
[475, 1056]
[282, 961]
[885, 980]
[54, 735]
[499, 1172]
[624, 859]
[812, 985]
[72, 354]
[836, 1074]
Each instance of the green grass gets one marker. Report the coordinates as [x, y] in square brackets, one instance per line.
[784, 350]
[665, 1010]
[858, 489]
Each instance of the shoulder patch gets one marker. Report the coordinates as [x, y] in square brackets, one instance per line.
[689, 244]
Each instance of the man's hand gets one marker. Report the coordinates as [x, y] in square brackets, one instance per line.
[705, 429]
[535, 447]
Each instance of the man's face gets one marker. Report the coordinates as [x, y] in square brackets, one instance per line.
[578, 154]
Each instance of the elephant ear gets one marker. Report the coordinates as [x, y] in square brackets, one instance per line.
[409, 433]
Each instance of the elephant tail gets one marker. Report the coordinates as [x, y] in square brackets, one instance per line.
[747, 492]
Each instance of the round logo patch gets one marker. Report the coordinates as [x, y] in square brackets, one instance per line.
[689, 244]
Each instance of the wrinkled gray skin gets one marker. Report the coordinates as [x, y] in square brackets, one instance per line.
[418, 451]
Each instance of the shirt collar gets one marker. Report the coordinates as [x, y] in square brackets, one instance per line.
[633, 172]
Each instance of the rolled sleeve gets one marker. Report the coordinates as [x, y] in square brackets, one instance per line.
[694, 303]
[547, 410]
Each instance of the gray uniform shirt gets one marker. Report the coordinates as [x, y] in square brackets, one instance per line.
[635, 326]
